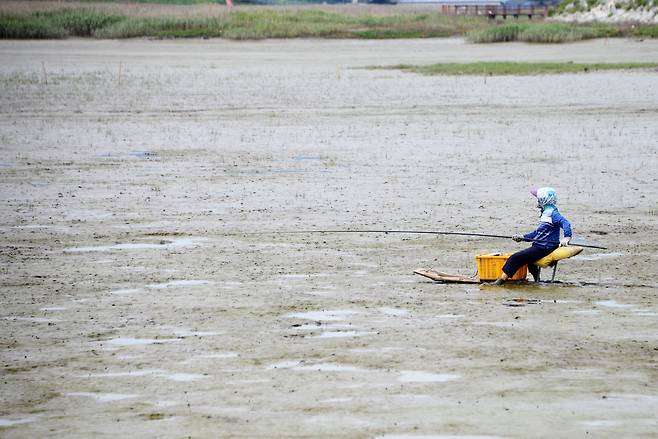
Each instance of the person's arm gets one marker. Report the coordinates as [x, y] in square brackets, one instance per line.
[531, 235]
[566, 227]
[563, 222]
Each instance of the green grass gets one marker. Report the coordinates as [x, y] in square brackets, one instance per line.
[55, 24]
[644, 31]
[255, 24]
[541, 33]
[513, 68]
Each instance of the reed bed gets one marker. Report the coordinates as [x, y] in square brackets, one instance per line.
[248, 24]
[31, 20]
[543, 33]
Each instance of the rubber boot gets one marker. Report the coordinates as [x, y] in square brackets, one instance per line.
[534, 271]
[498, 282]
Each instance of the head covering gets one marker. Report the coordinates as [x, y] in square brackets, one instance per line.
[546, 196]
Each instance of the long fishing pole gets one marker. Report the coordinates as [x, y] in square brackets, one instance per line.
[411, 232]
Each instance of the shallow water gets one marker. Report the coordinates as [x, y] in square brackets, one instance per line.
[102, 397]
[334, 315]
[410, 376]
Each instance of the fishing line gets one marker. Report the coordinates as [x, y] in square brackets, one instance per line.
[409, 232]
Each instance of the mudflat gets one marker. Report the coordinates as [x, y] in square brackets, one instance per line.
[135, 303]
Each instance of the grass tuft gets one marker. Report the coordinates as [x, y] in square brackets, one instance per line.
[541, 33]
[513, 68]
[20, 27]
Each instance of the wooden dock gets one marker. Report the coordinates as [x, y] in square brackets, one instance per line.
[495, 10]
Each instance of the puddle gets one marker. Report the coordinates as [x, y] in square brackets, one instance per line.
[300, 365]
[184, 377]
[32, 319]
[164, 244]
[340, 334]
[329, 367]
[127, 291]
[121, 341]
[414, 397]
[128, 357]
[586, 312]
[410, 376]
[335, 400]
[284, 364]
[241, 382]
[6, 165]
[450, 316]
[133, 373]
[166, 403]
[4, 422]
[302, 157]
[303, 276]
[143, 154]
[103, 397]
[497, 324]
[32, 226]
[229, 285]
[602, 423]
[178, 283]
[613, 304]
[320, 293]
[219, 355]
[396, 312]
[434, 436]
[597, 256]
[330, 316]
[187, 333]
[646, 314]
[314, 326]
[53, 308]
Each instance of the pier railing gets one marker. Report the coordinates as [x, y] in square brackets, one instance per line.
[497, 10]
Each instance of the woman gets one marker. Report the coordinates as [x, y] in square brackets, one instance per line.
[545, 238]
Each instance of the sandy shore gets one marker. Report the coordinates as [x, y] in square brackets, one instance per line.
[130, 308]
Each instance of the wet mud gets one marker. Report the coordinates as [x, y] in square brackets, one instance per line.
[133, 306]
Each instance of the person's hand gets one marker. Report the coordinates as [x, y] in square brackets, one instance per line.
[517, 238]
[565, 241]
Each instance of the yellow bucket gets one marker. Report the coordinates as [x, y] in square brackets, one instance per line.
[490, 267]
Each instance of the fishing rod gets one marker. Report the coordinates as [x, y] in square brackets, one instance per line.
[415, 232]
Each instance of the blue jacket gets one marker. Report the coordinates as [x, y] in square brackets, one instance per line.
[547, 233]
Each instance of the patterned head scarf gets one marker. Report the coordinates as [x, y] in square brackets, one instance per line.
[546, 196]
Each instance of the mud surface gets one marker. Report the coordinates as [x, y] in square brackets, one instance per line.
[129, 309]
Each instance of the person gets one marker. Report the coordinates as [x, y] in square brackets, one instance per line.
[545, 238]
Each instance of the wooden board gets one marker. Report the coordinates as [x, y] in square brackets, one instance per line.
[445, 277]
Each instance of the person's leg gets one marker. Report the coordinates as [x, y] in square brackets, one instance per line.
[534, 271]
[519, 259]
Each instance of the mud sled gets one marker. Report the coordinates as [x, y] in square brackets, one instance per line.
[490, 267]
